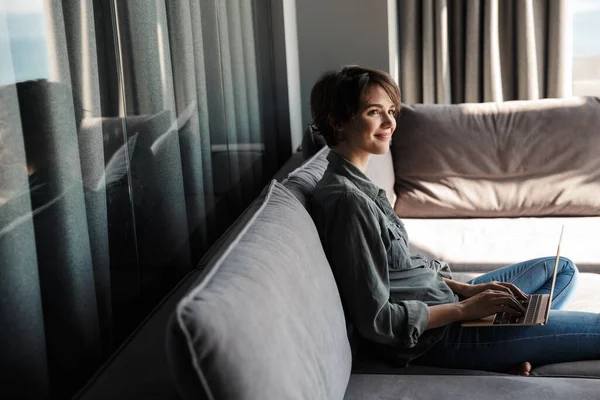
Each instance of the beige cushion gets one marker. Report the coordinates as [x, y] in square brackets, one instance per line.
[380, 171]
[518, 158]
[480, 245]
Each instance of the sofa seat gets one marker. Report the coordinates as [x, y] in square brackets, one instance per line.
[484, 244]
[448, 387]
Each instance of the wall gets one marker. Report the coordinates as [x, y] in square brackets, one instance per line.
[332, 33]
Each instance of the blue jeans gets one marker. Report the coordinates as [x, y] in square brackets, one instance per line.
[568, 335]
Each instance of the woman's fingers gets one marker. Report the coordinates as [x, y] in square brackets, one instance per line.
[508, 288]
[507, 301]
[514, 290]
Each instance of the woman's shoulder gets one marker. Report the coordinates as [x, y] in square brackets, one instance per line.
[338, 191]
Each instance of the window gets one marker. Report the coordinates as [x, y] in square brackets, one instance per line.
[132, 134]
[586, 47]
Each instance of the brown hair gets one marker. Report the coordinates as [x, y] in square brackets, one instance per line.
[335, 98]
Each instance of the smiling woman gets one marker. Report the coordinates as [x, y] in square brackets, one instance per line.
[405, 306]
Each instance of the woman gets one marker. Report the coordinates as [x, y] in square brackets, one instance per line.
[404, 304]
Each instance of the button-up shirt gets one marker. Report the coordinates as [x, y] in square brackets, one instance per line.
[385, 291]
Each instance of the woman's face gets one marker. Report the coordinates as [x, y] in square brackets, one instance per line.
[371, 129]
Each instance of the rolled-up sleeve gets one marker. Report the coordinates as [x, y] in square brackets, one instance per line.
[351, 236]
[441, 267]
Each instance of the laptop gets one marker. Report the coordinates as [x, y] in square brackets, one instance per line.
[537, 306]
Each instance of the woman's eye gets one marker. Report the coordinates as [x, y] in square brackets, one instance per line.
[392, 112]
[373, 112]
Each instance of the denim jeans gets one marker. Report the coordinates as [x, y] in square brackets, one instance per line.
[568, 335]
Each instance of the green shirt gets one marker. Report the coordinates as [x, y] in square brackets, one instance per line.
[385, 291]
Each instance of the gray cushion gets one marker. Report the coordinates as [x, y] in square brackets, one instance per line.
[266, 320]
[517, 158]
[582, 369]
[451, 387]
[303, 180]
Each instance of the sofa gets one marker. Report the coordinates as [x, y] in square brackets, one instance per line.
[477, 185]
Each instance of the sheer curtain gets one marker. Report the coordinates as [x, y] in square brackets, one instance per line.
[454, 51]
[122, 158]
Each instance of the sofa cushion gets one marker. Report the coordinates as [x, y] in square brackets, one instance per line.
[481, 245]
[380, 170]
[266, 320]
[517, 158]
[303, 180]
[453, 387]
[581, 369]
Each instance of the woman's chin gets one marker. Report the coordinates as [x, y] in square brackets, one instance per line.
[381, 150]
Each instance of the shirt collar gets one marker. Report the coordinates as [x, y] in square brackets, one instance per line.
[341, 166]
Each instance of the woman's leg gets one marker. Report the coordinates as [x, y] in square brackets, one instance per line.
[568, 336]
[535, 277]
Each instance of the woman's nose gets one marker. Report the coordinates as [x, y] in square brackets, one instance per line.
[389, 120]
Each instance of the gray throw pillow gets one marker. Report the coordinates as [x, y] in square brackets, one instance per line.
[265, 320]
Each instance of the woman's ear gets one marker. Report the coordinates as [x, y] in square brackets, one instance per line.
[337, 126]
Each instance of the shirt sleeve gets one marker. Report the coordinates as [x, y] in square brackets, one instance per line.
[441, 267]
[351, 236]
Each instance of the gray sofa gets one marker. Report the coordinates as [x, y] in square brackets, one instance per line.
[262, 318]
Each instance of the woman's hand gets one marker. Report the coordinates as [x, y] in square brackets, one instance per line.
[466, 290]
[472, 290]
[490, 302]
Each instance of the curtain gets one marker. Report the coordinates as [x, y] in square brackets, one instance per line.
[455, 51]
[129, 145]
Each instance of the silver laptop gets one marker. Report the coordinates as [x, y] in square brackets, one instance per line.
[537, 306]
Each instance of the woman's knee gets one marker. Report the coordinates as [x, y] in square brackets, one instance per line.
[567, 283]
[567, 266]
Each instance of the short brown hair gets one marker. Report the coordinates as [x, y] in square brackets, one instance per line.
[335, 98]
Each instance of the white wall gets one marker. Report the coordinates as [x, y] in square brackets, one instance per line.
[332, 33]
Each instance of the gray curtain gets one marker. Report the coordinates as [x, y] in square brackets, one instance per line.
[101, 241]
[455, 51]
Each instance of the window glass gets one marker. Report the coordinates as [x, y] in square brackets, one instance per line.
[586, 48]
[132, 134]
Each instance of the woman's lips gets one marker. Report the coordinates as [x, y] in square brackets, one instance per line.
[384, 136]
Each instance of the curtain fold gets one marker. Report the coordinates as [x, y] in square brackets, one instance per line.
[190, 124]
[83, 67]
[62, 234]
[455, 51]
[230, 108]
[203, 113]
[160, 224]
[23, 344]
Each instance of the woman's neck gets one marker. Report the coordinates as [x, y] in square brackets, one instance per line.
[359, 160]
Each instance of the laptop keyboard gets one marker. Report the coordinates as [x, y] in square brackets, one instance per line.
[532, 305]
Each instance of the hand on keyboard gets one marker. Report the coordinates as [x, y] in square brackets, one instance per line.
[490, 302]
[472, 290]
